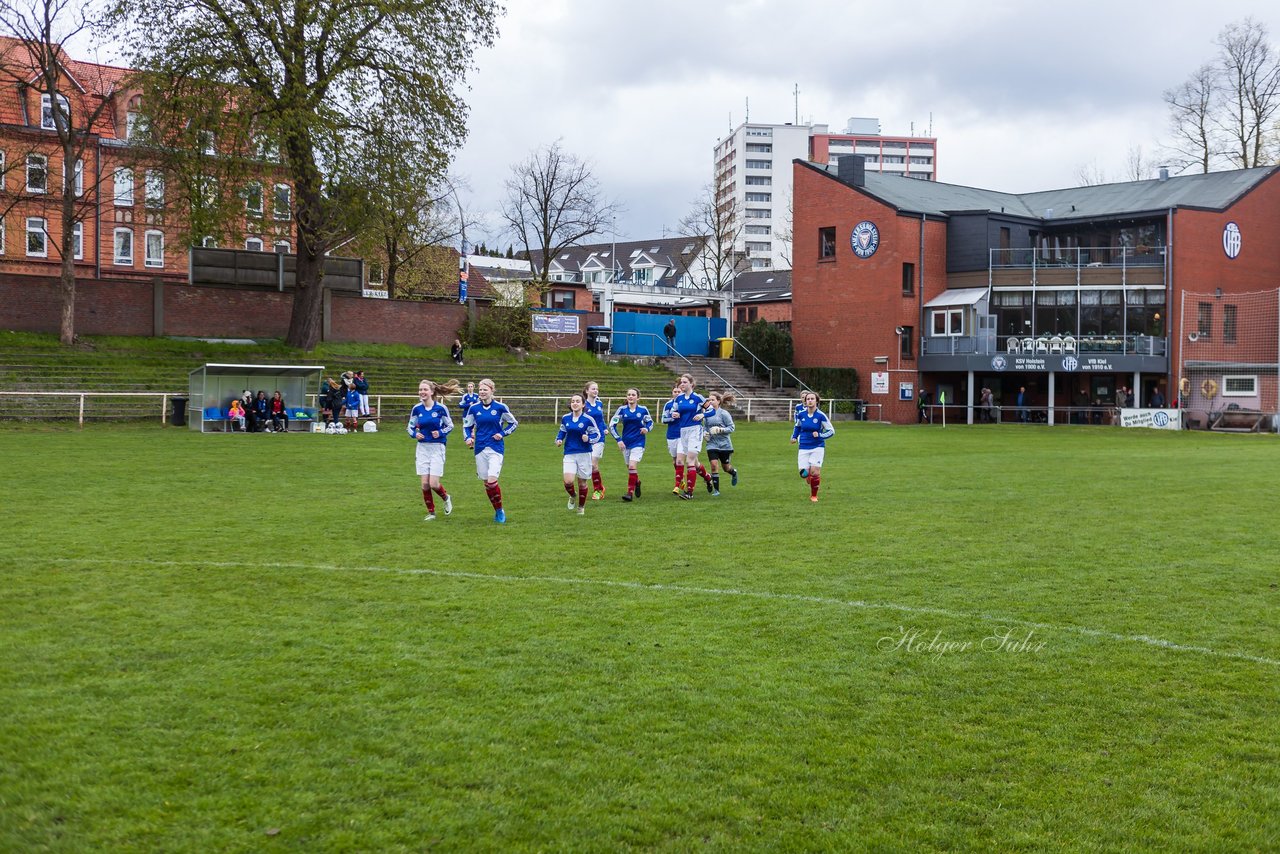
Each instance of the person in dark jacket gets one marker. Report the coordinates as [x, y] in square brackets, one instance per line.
[362, 388]
[455, 352]
[261, 412]
[669, 332]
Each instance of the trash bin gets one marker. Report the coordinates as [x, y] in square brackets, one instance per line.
[599, 338]
[726, 348]
[178, 413]
[859, 410]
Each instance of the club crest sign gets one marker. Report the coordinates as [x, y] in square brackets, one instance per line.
[1231, 240]
[865, 239]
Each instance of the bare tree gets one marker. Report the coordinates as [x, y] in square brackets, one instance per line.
[1249, 70]
[1195, 141]
[70, 108]
[719, 225]
[1091, 174]
[1137, 168]
[554, 202]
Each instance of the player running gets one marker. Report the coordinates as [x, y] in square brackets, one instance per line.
[719, 424]
[578, 433]
[812, 430]
[630, 424]
[487, 424]
[592, 406]
[430, 425]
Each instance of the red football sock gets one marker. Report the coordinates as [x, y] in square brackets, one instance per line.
[426, 499]
[495, 495]
[568, 487]
[582, 494]
[595, 479]
[702, 472]
[814, 480]
[440, 491]
[632, 479]
[679, 474]
[690, 478]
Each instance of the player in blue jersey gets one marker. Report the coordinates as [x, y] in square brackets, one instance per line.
[578, 433]
[671, 417]
[486, 425]
[592, 406]
[429, 425]
[630, 424]
[812, 429]
[688, 406]
[719, 424]
[469, 400]
[351, 406]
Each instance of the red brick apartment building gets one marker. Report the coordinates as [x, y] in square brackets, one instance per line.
[129, 225]
[1168, 285]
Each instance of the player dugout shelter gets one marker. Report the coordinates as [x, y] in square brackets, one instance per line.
[214, 386]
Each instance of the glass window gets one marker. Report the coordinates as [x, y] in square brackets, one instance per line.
[281, 247]
[37, 237]
[827, 242]
[154, 188]
[906, 343]
[37, 173]
[1, 235]
[253, 244]
[1228, 324]
[908, 279]
[1204, 319]
[154, 248]
[123, 247]
[282, 203]
[77, 240]
[46, 111]
[253, 199]
[124, 187]
[132, 123]
[1240, 386]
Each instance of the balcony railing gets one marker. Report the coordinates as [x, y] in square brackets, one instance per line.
[1052, 345]
[1079, 256]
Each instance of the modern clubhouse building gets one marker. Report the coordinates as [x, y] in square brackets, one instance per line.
[1167, 285]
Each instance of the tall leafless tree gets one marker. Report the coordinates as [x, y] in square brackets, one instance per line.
[554, 202]
[719, 225]
[35, 59]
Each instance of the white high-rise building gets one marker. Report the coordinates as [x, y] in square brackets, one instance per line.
[752, 176]
[752, 183]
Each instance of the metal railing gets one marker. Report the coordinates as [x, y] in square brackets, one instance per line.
[89, 405]
[1079, 256]
[757, 362]
[669, 351]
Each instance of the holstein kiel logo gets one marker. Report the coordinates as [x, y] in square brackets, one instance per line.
[998, 363]
[865, 239]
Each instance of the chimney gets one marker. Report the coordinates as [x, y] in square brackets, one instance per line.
[852, 169]
[1164, 173]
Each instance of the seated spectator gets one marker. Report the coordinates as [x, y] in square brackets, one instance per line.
[279, 414]
[456, 351]
[237, 415]
[261, 412]
[246, 404]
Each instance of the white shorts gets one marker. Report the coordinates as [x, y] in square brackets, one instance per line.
[364, 404]
[673, 447]
[597, 450]
[579, 464]
[488, 464]
[812, 458]
[690, 440]
[430, 458]
[634, 454]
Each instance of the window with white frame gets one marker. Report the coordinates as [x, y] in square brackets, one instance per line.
[1239, 385]
[132, 124]
[209, 242]
[37, 237]
[253, 244]
[46, 111]
[642, 275]
[123, 256]
[77, 177]
[207, 142]
[253, 199]
[282, 201]
[948, 321]
[153, 188]
[1, 235]
[77, 241]
[37, 173]
[123, 187]
[3, 171]
[153, 249]
[281, 247]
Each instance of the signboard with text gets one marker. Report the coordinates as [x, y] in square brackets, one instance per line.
[566, 324]
[1156, 419]
[880, 382]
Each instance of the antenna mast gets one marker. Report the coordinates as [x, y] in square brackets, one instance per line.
[796, 93]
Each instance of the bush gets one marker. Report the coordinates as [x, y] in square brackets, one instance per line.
[504, 327]
[770, 345]
[830, 382]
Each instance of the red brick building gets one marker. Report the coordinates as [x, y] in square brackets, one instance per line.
[1067, 295]
[129, 224]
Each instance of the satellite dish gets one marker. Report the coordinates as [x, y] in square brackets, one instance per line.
[1193, 337]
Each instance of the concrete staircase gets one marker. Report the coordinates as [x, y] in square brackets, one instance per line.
[757, 401]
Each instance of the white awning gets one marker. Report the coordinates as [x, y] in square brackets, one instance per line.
[961, 296]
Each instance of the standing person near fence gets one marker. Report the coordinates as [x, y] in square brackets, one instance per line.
[719, 424]
[811, 432]
[593, 407]
[487, 424]
[578, 434]
[630, 424]
[430, 425]
[669, 332]
[362, 386]
[671, 417]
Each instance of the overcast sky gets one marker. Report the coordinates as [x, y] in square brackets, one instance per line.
[1020, 95]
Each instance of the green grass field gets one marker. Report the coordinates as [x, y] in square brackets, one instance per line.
[980, 639]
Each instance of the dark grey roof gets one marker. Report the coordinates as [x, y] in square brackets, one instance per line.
[762, 286]
[1215, 191]
[666, 251]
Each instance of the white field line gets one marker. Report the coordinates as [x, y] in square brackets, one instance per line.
[827, 601]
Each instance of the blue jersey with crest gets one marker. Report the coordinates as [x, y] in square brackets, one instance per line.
[578, 432]
[627, 423]
[484, 422]
[427, 421]
[807, 425]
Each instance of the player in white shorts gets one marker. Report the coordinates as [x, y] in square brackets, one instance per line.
[430, 424]
[812, 429]
[578, 432]
[592, 406]
[629, 426]
[487, 424]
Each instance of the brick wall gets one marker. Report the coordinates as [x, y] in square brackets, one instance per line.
[384, 321]
[845, 309]
[103, 307]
